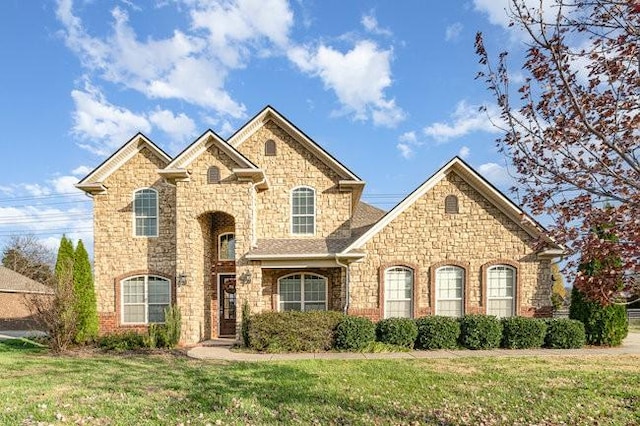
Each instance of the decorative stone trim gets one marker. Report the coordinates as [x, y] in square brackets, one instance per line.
[465, 283]
[116, 284]
[414, 291]
[484, 279]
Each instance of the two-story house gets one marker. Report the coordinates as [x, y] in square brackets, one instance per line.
[269, 218]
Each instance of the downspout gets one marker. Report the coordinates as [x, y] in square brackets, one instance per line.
[254, 191]
[346, 284]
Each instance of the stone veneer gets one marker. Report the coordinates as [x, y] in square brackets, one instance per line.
[424, 238]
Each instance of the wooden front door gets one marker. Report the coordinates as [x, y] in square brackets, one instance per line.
[227, 300]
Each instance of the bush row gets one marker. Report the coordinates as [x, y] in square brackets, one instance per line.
[321, 331]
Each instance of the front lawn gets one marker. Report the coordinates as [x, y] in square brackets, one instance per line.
[90, 388]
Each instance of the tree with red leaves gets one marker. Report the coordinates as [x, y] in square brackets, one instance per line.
[572, 130]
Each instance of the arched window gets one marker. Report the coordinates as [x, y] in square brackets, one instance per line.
[227, 246]
[303, 292]
[270, 148]
[145, 212]
[450, 291]
[501, 289]
[398, 292]
[303, 211]
[144, 299]
[451, 204]
[213, 175]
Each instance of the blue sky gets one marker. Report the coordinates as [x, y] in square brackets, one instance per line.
[387, 87]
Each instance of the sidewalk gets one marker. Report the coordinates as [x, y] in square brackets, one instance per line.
[220, 350]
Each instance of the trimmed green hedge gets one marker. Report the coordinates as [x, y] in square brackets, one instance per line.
[293, 331]
[480, 332]
[397, 331]
[603, 325]
[564, 333]
[354, 333]
[437, 332]
[523, 333]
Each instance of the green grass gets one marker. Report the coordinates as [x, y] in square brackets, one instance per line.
[99, 389]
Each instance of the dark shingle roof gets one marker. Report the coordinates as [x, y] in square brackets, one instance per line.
[13, 282]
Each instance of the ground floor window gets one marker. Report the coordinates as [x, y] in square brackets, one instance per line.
[144, 299]
[303, 292]
[501, 281]
[398, 292]
[449, 291]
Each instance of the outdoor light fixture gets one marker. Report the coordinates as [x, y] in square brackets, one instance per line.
[181, 280]
[245, 277]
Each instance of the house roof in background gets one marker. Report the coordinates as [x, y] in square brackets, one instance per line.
[13, 282]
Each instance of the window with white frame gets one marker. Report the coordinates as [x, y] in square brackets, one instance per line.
[227, 247]
[303, 292]
[145, 211]
[450, 291]
[501, 283]
[144, 299]
[398, 292]
[303, 210]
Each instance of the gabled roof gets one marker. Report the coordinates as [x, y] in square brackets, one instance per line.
[13, 282]
[270, 113]
[477, 182]
[93, 182]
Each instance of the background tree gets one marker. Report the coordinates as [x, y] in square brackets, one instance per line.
[64, 260]
[558, 292]
[26, 255]
[571, 129]
[85, 296]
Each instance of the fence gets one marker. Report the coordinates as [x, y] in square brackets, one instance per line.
[564, 313]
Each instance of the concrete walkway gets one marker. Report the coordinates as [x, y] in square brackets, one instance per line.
[16, 334]
[220, 350]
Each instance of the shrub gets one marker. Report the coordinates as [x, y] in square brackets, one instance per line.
[437, 332]
[244, 327]
[156, 336]
[480, 332]
[293, 331]
[354, 333]
[397, 331]
[603, 325]
[523, 333]
[85, 300]
[172, 326]
[563, 333]
[122, 341]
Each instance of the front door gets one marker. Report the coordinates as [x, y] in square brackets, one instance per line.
[227, 300]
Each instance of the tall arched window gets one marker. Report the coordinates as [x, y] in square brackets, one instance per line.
[398, 292]
[501, 290]
[270, 148]
[145, 212]
[213, 175]
[227, 246]
[451, 204]
[303, 210]
[144, 299]
[450, 291]
[303, 292]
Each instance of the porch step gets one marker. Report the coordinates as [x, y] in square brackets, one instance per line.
[220, 342]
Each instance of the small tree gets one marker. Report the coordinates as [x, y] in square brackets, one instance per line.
[85, 296]
[558, 292]
[65, 257]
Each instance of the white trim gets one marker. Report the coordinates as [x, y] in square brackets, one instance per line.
[476, 181]
[146, 298]
[413, 287]
[157, 213]
[315, 209]
[221, 297]
[200, 145]
[220, 243]
[302, 301]
[514, 280]
[295, 256]
[462, 290]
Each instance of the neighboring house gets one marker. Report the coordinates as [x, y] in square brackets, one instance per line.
[269, 218]
[16, 291]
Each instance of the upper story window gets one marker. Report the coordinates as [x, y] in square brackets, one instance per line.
[303, 211]
[227, 247]
[450, 291]
[270, 148]
[451, 204]
[213, 175]
[145, 211]
[144, 299]
[501, 283]
[398, 292]
[303, 292]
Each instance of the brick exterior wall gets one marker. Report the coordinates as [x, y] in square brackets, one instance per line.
[15, 310]
[424, 237]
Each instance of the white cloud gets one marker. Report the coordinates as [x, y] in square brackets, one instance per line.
[35, 189]
[64, 184]
[496, 174]
[358, 77]
[370, 23]
[408, 137]
[464, 120]
[101, 126]
[180, 127]
[405, 150]
[81, 171]
[498, 11]
[464, 152]
[453, 31]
